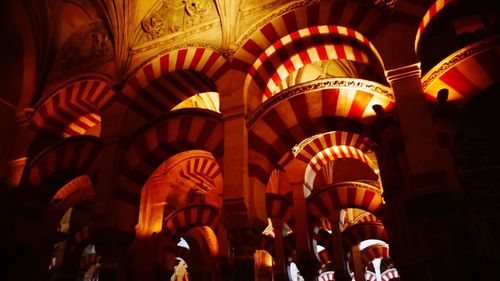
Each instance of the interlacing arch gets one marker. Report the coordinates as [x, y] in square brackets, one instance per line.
[180, 131]
[167, 80]
[73, 109]
[70, 157]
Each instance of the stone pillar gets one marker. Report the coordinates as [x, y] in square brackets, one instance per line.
[280, 259]
[420, 187]
[359, 271]
[339, 264]
[243, 212]
[112, 245]
[243, 244]
[224, 265]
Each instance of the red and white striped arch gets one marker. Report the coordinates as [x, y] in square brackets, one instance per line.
[367, 217]
[280, 207]
[202, 172]
[357, 16]
[331, 154]
[280, 124]
[169, 79]
[390, 274]
[370, 276]
[344, 195]
[181, 131]
[327, 276]
[303, 47]
[466, 72]
[310, 147]
[180, 221]
[357, 233]
[372, 252]
[74, 156]
[72, 110]
[80, 187]
[437, 7]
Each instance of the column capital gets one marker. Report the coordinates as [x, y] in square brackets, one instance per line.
[404, 72]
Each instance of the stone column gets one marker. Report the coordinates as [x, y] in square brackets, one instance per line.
[420, 187]
[112, 245]
[307, 263]
[243, 212]
[280, 259]
[339, 264]
[359, 271]
[243, 244]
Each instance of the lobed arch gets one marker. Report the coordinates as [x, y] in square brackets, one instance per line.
[165, 81]
[73, 109]
[70, 157]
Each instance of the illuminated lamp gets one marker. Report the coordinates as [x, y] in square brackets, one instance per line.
[442, 96]
[379, 110]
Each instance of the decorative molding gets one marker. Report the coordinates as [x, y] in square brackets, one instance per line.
[322, 84]
[404, 72]
[457, 57]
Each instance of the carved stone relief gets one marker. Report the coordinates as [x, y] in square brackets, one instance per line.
[89, 42]
[176, 16]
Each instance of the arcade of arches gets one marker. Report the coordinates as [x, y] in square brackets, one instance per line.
[248, 140]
